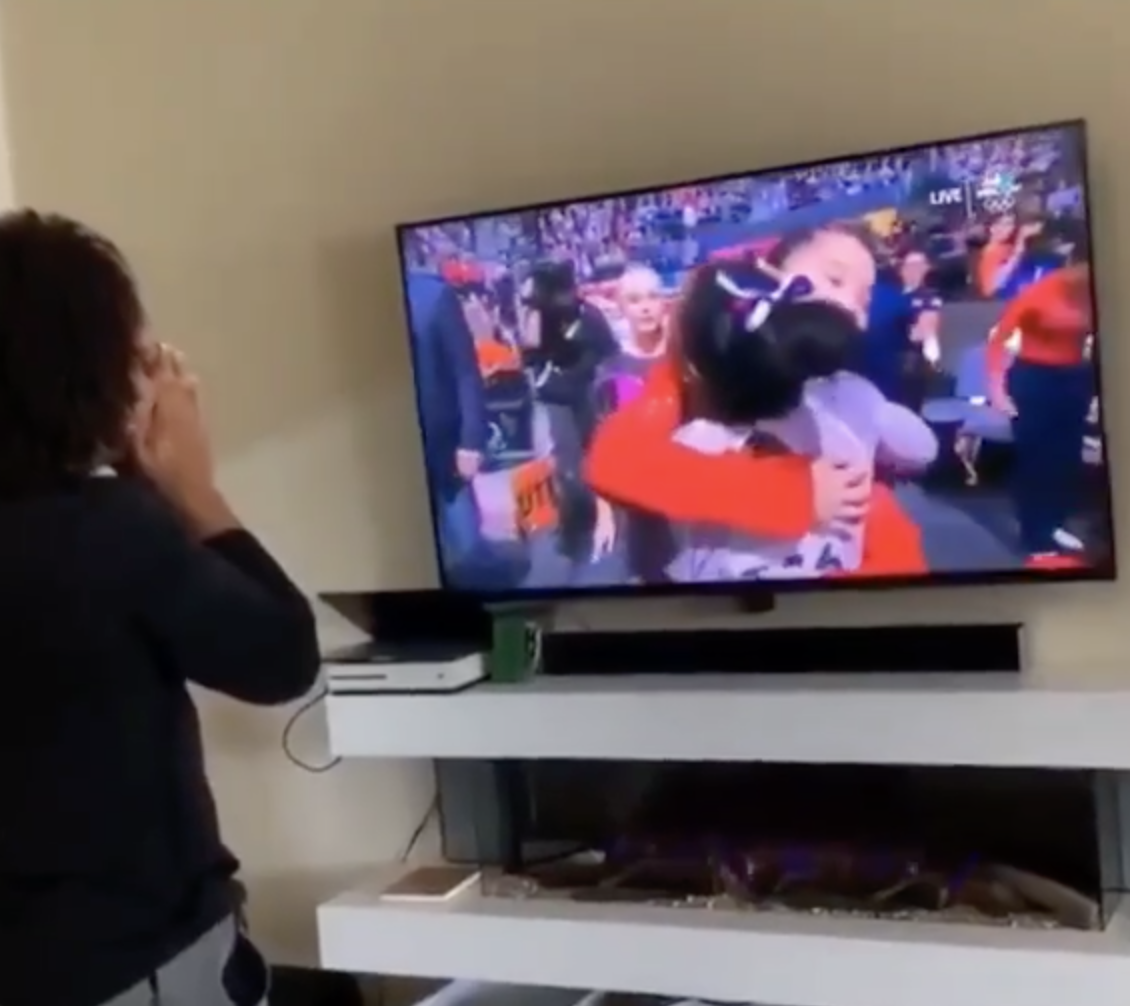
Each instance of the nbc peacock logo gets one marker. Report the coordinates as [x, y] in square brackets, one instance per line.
[998, 191]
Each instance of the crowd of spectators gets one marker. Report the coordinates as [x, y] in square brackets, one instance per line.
[660, 226]
[1032, 153]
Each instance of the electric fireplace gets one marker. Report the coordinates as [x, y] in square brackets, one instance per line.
[1032, 848]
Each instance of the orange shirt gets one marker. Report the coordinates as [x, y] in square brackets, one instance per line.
[459, 273]
[1053, 321]
[633, 460]
[992, 257]
[495, 357]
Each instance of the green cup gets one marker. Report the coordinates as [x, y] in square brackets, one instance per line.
[515, 654]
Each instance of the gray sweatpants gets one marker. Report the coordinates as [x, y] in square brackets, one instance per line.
[222, 968]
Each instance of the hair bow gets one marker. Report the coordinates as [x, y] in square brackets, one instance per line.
[757, 305]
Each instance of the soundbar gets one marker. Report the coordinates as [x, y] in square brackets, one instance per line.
[881, 649]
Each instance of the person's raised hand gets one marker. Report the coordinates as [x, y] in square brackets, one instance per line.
[171, 446]
[841, 493]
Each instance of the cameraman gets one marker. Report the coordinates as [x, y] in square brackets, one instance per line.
[564, 341]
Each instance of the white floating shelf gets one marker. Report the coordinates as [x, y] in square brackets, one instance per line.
[1006, 720]
[727, 956]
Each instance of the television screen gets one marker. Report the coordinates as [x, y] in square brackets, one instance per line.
[869, 371]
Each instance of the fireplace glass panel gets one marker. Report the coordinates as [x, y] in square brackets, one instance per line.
[985, 845]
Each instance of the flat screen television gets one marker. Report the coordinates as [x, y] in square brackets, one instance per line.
[866, 371]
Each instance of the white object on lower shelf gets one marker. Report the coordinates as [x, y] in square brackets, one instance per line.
[368, 671]
[971, 719]
[729, 956]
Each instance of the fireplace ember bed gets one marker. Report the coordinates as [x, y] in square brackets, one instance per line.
[1022, 848]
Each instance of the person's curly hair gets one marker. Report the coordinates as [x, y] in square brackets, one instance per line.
[70, 321]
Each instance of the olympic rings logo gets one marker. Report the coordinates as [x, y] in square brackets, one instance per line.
[1000, 204]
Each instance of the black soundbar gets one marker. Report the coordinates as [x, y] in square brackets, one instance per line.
[880, 649]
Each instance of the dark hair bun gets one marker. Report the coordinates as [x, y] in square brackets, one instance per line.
[753, 356]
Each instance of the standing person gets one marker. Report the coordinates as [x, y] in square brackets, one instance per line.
[901, 342]
[116, 592]
[453, 413]
[642, 306]
[1005, 265]
[1047, 390]
[925, 307]
[564, 341]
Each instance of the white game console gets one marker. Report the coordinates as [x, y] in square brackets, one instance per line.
[376, 669]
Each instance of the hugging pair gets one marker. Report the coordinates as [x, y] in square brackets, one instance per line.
[755, 440]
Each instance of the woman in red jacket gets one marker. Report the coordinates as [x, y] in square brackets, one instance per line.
[1047, 390]
[634, 461]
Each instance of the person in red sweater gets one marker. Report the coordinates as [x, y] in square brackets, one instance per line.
[1001, 268]
[1047, 390]
[634, 461]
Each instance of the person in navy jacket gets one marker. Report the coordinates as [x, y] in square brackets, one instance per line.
[453, 414]
[450, 387]
[902, 332]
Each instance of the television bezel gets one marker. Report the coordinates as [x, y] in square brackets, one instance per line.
[1103, 572]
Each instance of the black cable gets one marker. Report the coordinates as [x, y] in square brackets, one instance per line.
[317, 769]
[302, 710]
[414, 838]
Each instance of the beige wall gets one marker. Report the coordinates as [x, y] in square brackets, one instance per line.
[252, 156]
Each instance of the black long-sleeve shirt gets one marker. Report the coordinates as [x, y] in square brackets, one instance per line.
[565, 366]
[110, 856]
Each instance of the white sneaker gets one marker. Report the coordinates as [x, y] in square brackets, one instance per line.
[1067, 541]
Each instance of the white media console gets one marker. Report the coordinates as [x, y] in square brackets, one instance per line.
[785, 961]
